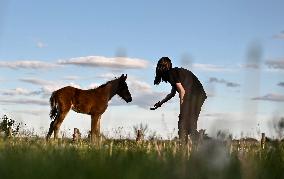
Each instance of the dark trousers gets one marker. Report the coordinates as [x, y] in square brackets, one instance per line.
[189, 113]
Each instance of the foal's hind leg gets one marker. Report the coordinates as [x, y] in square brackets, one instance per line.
[95, 127]
[58, 122]
[50, 130]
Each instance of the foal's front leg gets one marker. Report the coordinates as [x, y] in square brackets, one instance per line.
[95, 127]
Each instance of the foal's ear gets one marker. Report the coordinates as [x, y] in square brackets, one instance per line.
[124, 77]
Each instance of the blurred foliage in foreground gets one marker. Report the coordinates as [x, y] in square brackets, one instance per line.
[9, 126]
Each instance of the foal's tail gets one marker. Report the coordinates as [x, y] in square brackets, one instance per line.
[54, 111]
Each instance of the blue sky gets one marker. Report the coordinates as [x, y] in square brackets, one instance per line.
[234, 47]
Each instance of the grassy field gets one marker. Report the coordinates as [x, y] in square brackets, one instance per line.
[35, 158]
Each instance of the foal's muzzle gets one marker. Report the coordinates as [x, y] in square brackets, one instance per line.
[129, 99]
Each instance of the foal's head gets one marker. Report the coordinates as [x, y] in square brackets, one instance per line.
[122, 89]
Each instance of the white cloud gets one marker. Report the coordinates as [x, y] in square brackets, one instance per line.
[32, 112]
[281, 84]
[275, 64]
[47, 87]
[132, 82]
[2, 80]
[136, 85]
[40, 44]
[222, 81]
[93, 85]
[143, 95]
[71, 78]
[108, 76]
[141, 99]
[100, 61]
[74, 85]
[27, 65]
[234, 116]
[236, 122]
[251, 65]
[148, 99]
[36, 81]
[210, 67]
[271, 97]
[25, 101]
[19, 91]
[279, 36]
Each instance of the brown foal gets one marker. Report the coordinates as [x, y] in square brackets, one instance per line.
[93, 102]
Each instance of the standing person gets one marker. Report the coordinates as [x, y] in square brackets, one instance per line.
[191, 95]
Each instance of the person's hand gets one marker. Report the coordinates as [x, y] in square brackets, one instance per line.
[158, 104]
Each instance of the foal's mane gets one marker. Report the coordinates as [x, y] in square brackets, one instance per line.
[103, 85]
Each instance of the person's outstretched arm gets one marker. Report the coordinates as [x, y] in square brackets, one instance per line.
[167, 98]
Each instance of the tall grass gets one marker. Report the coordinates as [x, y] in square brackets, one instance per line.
[35, 158]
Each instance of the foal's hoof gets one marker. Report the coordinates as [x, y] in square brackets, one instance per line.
[47, 138]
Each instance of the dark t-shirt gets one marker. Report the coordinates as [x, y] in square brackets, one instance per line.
[188, 80]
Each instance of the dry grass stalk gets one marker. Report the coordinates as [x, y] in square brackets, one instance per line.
[76, 135]
[110, 148]
[262, 142]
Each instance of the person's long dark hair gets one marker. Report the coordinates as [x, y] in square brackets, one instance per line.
[164, 64]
